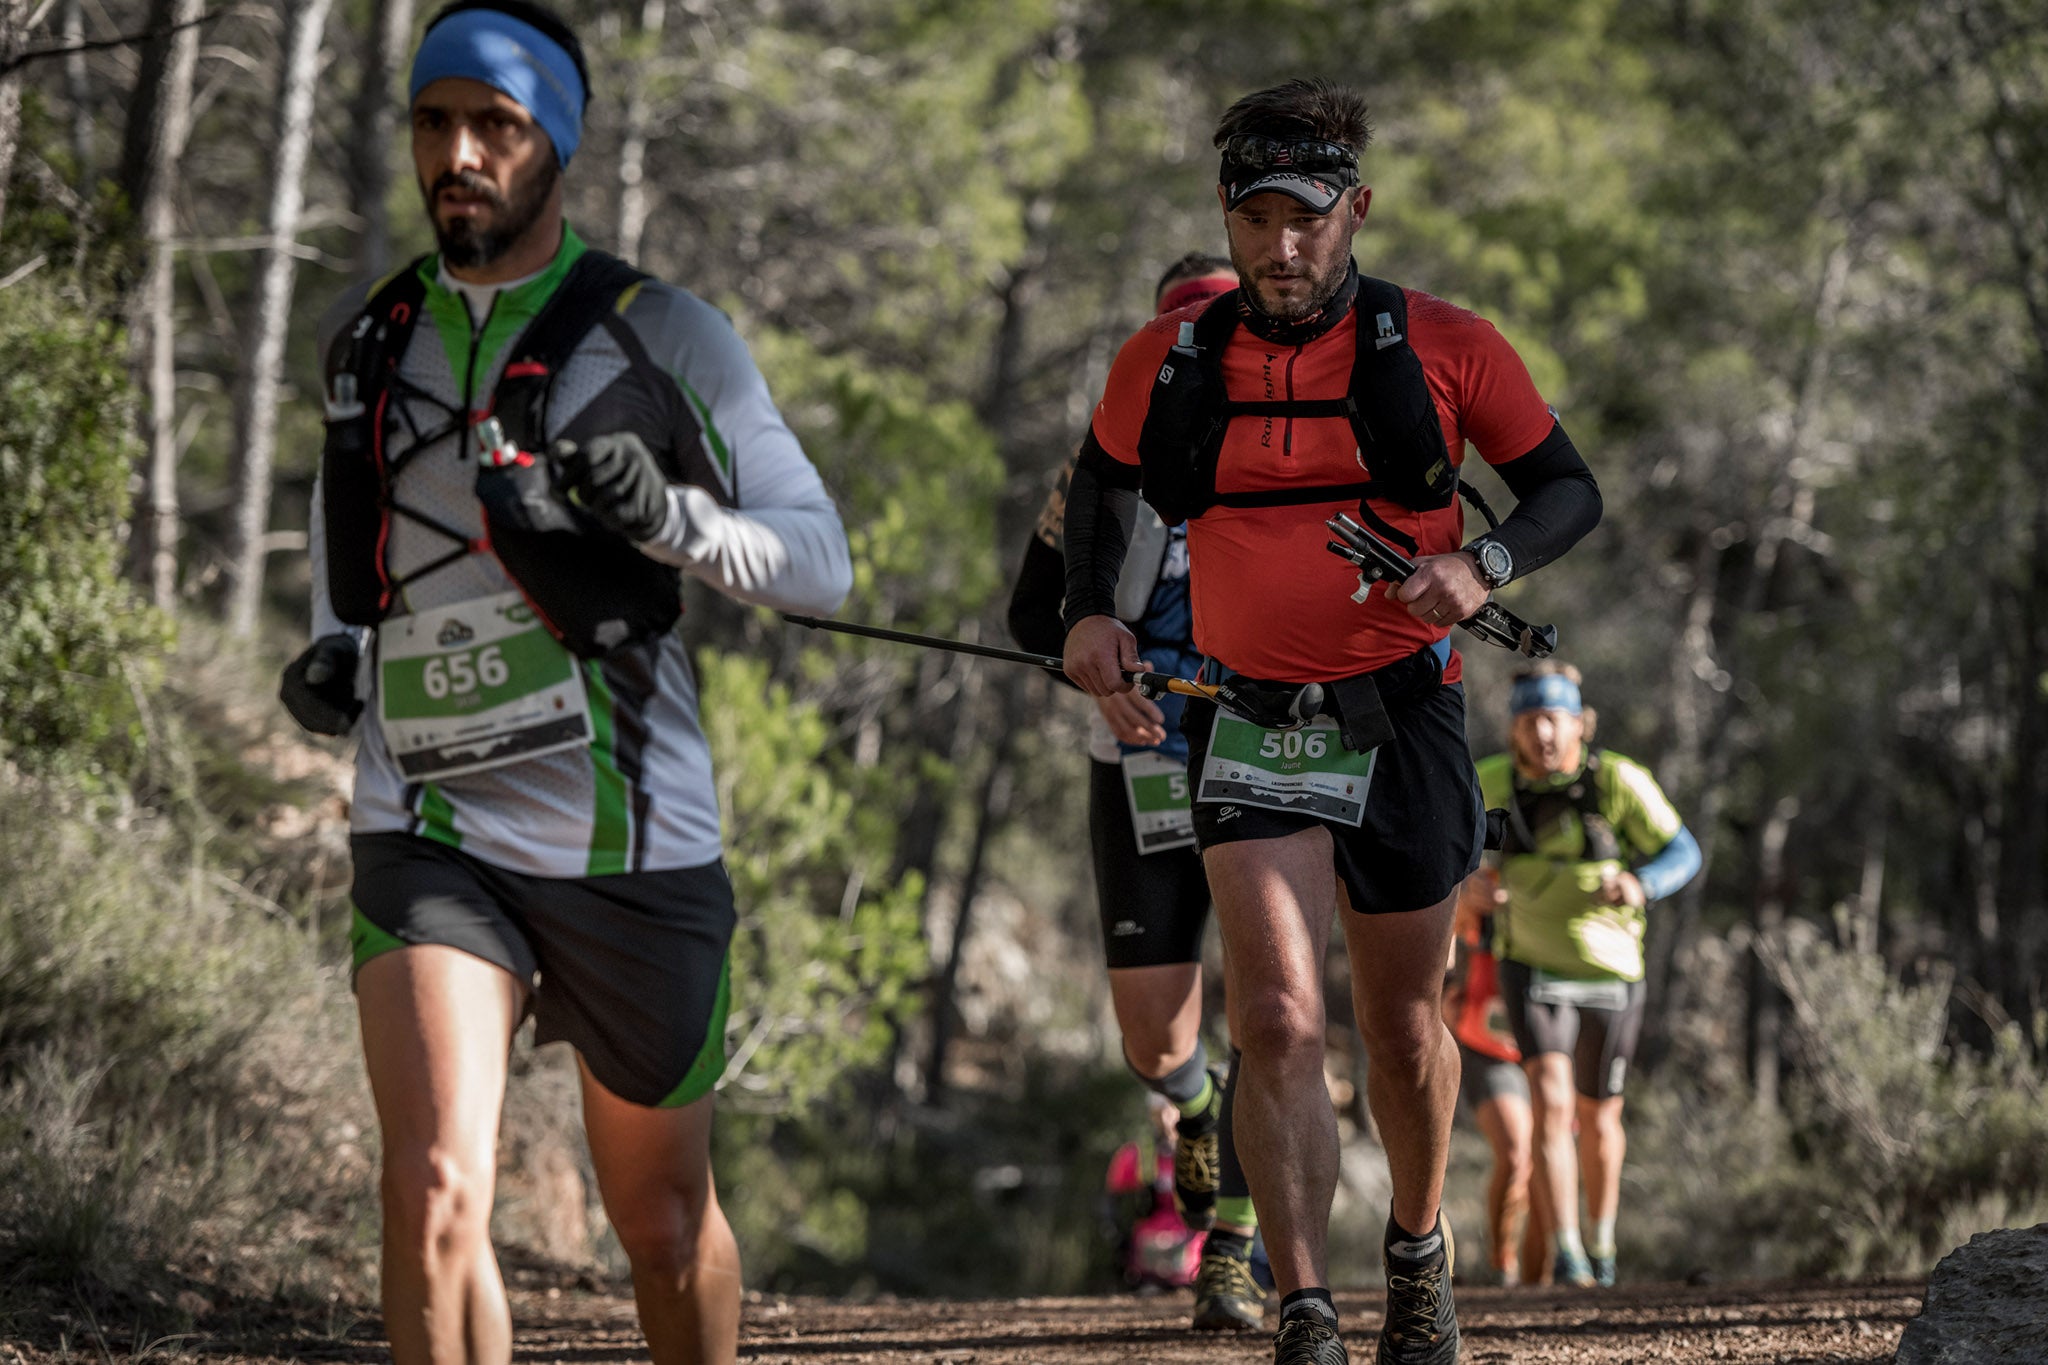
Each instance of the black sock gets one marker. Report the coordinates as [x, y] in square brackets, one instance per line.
[1234, 1244]
[1411, 1246]
[1314, 1300]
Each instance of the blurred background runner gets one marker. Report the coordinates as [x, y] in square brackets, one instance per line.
[1591, 840]
[1149, 884]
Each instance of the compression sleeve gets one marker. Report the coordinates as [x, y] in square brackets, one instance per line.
[1035, 621]
[1677, 864]
[1102, 506]
[1557, 502]
[782, 544]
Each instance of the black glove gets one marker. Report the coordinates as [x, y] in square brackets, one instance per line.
[614, 477]
[320, 685]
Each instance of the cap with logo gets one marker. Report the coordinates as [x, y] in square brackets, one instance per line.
[1312, 171]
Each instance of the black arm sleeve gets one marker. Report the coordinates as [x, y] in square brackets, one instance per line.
[1556, 502]
[1035, 622]
[1102, 506]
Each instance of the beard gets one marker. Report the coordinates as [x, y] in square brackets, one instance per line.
[1323, 285]
[467, 244]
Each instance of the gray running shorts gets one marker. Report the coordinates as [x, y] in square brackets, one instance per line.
[1600, 1041]
[1482, 1078]
[630, 969]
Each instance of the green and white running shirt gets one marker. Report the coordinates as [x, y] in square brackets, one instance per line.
[640, 794]
[1554, 920]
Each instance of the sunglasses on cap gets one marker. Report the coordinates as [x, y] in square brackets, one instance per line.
[1256, 153]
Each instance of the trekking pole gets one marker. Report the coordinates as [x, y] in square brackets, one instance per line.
[1378, 562]
[1283, 710]
[1150, 684]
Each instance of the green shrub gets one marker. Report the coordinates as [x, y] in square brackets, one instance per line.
[76, 646]
[1890, 1147]
[179, 1065]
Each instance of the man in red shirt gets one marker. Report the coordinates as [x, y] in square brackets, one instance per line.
[1308, 391]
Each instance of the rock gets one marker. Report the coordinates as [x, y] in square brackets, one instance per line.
[1987, 1304]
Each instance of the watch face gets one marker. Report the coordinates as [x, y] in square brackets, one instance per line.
[1495, 561]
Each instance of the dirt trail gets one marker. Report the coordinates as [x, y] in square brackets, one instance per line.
[1664, 1324]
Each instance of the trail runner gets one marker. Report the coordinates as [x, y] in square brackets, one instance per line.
[1254, 418]
[528, 445]
[1591, 841]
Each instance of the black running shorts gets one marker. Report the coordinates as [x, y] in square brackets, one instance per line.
[1423, 818]
[630, 969]
[1600, 1040]
[1154, 906]
[1482, 1078]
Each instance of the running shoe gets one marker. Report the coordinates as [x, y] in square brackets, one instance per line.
[1227, 1297]
[1422, 1322]
[1308, 1339]
[1573, 1268]
[1198, 1159]
[1603, 1270]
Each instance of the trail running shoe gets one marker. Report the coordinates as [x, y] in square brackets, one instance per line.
[1422, 1322]
[1603, 1270]
[1308, 1339]
[1227, 1297]
[1198, 1159]
[1574, 1269]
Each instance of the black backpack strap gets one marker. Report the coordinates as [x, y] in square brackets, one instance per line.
[1525, 812]
[1400, 437]
[586, 295]
[355, 469]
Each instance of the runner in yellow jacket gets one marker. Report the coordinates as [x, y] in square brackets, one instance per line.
[1591, 840]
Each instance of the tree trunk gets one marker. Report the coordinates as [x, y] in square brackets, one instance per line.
[634, 202]
[379, 99]
[159, 121]
[79, 92]
[996, 790]
[13, 37]
[2020, 950]
[160, 109]
[1766, 1040]
[256, 415]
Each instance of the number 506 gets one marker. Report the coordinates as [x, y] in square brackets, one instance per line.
[1294, 744]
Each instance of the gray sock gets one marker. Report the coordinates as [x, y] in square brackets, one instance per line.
[1185, 1083]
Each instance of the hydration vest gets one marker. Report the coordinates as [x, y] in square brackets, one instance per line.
[1400, 439]
[594, 590]
[1531, 816]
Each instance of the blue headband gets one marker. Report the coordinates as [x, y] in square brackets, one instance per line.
[510, 56]
[1545, 692]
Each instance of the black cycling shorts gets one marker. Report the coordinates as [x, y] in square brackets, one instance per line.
[630, 969]
[1154, 906]
[1553, 1016]
[1482, 1078]
[1423, 818]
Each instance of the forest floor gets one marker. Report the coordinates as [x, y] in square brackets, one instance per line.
[577, 1322]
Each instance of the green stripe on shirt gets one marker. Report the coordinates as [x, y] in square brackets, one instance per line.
[713, 442]
[611, 820]
[437, 817]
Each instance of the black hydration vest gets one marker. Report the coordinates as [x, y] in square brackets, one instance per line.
[1529, 817]
[594, 590]
[1400, 440]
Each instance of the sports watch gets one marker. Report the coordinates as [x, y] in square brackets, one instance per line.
[1496, 565]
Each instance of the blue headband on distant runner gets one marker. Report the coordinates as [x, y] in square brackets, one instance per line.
[510, 56]
[1545, 692]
